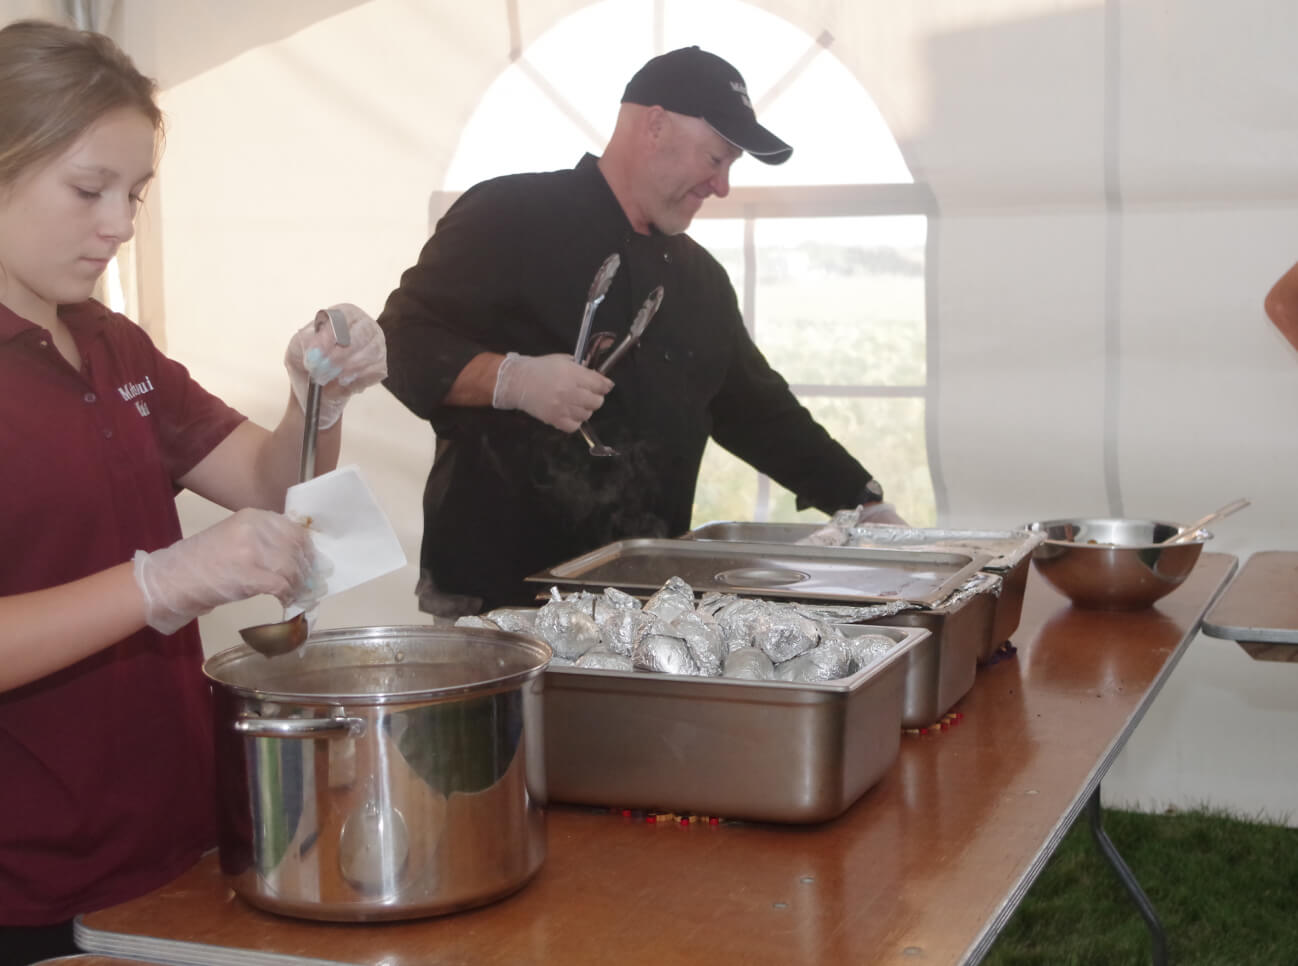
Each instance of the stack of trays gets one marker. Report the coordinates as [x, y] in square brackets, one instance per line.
[1009, 555]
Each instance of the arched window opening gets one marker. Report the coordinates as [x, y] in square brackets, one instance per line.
[826, 252]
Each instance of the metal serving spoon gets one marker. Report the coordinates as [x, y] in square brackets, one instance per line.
[280, 637]
[1186, 533]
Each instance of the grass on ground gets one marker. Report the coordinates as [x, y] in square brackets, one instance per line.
[1225, 889]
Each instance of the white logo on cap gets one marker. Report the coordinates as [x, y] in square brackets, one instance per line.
[739, 88]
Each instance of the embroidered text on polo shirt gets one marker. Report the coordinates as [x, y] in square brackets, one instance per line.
[129, 391]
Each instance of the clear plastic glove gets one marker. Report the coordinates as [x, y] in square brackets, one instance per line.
[880, 512]
[553, 389]
[830, 535]
[249, 553]
[341, 371]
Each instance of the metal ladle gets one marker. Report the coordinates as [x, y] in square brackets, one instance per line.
[280, 637]
[638, 325]
[1186, 533]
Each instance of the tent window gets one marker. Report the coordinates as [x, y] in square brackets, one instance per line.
[826, 252]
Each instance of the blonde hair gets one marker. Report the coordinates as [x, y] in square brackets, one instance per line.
[55, 82]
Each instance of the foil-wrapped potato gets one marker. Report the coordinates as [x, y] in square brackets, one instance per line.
[619, 620]
[604, 660]
[567, 626]
[659, 648]
[703, 638]
[784, 634]
[867, 648]
[736, 616]
[750, 664]
[720, 635]
[516, 621]
[827, 662]
[674, 598]
[477, 620]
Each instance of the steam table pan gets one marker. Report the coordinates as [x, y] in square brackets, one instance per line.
[1010, 550]
[769, 751]
[775, 571]
[943, 667]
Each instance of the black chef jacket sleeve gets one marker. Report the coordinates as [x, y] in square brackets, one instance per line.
[456, 301]
[757, 418]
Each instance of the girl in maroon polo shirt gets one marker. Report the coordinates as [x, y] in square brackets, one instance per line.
[104, 721]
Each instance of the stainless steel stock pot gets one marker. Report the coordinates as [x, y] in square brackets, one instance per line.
[381, 772]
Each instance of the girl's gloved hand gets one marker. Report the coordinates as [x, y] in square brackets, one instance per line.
[249, 553]
[341, 371]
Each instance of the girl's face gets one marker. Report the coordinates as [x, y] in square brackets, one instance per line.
[62, 221]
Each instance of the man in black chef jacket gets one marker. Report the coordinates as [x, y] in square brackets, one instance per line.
[482, 330]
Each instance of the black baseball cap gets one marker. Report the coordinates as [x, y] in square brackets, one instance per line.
[695, 83]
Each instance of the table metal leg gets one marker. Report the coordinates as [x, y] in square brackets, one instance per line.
[1157, 936]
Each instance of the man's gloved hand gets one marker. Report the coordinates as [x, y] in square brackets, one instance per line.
[879, 512]
[249, 553]
[341, 371]
[552, 388]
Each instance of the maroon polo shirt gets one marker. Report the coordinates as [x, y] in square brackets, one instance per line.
[107, 773]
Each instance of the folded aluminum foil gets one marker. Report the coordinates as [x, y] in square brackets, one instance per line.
[1007, 547]
[567, 625]
[662, 651]
[675, 598]
[605, 660]
[827, 662]
[720, 635]
[865, 649]
[749, 664]
[702, 635]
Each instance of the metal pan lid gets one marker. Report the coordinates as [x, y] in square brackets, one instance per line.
[1005, 547]
[775, 571]
[377, 665]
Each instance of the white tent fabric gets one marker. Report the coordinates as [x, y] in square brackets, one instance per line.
[1114, 193]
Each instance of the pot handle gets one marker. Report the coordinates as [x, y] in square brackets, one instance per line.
[335, 726]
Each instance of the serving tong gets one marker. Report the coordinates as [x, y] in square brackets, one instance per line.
[638, 325]
[598, 289]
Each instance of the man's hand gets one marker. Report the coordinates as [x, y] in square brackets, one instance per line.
[880, 512]
[552, 388]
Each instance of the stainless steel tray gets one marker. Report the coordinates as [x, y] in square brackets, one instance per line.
[1005, 547]
[766, 751]
[1010, 555]
[776, 571]
[942, 669]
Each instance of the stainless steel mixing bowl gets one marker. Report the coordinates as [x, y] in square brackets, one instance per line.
[1114, 564]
